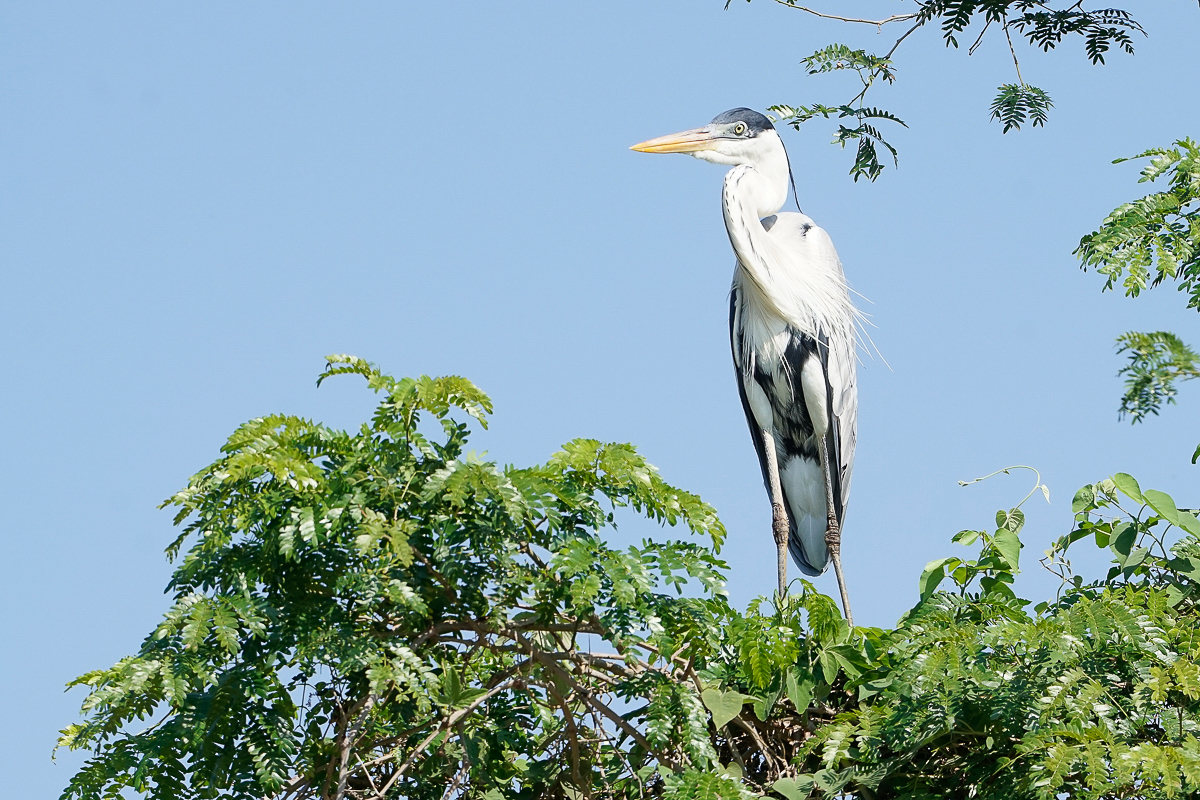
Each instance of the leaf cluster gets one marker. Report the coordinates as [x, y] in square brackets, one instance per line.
[1157, 362]
[1145, 242]
[1042, 24]
[1017, 103]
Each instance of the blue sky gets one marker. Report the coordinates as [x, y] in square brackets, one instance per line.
[199, 201]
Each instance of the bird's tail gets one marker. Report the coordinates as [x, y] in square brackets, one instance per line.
[806, 543]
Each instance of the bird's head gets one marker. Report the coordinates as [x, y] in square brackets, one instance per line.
[739, 136]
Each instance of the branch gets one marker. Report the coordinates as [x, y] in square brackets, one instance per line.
[1012, 50]
[613, 716]
[902, 38]
[878, 23]
[445, 725]
[349, 738]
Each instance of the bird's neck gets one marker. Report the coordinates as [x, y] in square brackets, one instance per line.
[760, 188]
[751, 192]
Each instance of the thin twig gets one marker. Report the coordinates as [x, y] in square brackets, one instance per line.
[973, 47]
[878, 23]
[902, 38]
[758, 740]
[445, 725]
[370, 777]
[1016, 64]
[613, 716]
[572, 734]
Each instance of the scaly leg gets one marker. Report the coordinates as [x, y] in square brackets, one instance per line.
[779, 520]
[833, 531]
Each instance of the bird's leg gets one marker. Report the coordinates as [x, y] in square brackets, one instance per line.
[779, 520]
[833, 531]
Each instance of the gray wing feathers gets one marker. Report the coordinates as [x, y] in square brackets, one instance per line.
[843, 411]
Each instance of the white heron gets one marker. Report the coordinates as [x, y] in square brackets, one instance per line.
[792, 331]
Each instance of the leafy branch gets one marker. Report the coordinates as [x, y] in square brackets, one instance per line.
[869, 69]
[1157, 361]
[1143, 243]
[1043, 25]
[1000, 551]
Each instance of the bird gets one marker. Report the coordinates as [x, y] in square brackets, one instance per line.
[792, 334]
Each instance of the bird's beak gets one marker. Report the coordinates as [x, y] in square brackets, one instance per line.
[686, 142]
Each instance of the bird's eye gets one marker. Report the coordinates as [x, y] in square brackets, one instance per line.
[740, 129]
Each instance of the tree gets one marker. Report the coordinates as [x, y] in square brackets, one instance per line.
[379, 614]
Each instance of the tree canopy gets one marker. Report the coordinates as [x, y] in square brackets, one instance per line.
[384, 614]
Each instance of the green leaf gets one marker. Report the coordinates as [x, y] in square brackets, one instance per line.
[1188, 521]
[1008, 545]
[967, 538]
[1129, 486]
[1013, 519]
[1164, 505]
[723, 705]
[799, 689]
[831, 781]
[1135, 558]
[1122, 541]
[797, 788]
[1084, 499]
[828, 663]
[932, 575]
[871, 688]
[764, 705]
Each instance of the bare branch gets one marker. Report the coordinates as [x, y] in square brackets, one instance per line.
[1012, 50]
[902, 38]
[614, 717]
[878, 23]
[349, 738]
[971, 50]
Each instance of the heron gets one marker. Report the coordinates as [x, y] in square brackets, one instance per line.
[792, 334]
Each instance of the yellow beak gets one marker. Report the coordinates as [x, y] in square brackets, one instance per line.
[685, 142]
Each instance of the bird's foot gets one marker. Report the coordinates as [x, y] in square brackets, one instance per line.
[833, 540]
[833, 536]
[779, 525]
[779, 529]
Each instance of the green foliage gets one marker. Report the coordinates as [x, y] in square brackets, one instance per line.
[869, 69]
[1157, 361]
[1143, 243]
[382, 614]
[1017, 102]
[1042, 24]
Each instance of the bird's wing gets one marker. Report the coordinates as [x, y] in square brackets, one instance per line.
[842, 402]
[736, 345]
[816, 278]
